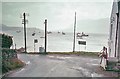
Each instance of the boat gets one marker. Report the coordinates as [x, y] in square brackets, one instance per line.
[63, 33]
[18, 31]
[42, 37]
[82, 35]
[49, 32]
[58, 32]
[33, 34]
[79, 35]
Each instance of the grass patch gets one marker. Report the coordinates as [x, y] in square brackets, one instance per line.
[76, 53]
[11, 65]
[69, 53]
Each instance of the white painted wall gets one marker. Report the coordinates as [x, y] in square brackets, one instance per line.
[119, 32]
[113, 25]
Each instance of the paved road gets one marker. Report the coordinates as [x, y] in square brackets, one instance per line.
[59, 66]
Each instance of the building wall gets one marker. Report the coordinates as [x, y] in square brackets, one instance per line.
[113, 26]
[119, 33]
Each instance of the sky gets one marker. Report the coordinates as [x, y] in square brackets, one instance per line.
[60, 14]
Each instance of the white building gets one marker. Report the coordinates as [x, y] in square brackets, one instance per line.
[114, 39]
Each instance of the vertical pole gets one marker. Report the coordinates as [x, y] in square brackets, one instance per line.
[74, 34]
[45, 35]
[34, 45]
[25, 31]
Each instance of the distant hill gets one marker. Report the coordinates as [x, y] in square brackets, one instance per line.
[5, 28]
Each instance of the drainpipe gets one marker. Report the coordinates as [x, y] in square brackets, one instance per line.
[118, 52]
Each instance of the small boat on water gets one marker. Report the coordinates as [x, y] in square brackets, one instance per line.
[33, 34]
[82, 34]
[49, 32]
[42, 37]
[18, 31]
[63, 33]
[58, 32]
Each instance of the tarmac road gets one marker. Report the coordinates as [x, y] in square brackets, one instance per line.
[60, 66]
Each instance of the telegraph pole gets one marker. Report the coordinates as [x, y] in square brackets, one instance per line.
[74, 33]
[45, 35]
[24, 19]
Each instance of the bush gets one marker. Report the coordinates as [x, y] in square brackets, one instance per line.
[6, 41]
[11, 64]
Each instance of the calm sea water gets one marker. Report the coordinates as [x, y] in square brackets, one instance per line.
[59, 43]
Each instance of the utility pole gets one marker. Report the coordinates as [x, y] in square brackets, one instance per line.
[45, 35]
[74, 33]
[24, 19]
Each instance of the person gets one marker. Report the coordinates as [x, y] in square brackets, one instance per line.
[103, 53]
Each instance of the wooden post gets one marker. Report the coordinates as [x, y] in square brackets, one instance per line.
[45, 35]
[74, 33]
[24, 16]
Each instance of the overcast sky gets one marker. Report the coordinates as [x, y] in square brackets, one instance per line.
[60, 14]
